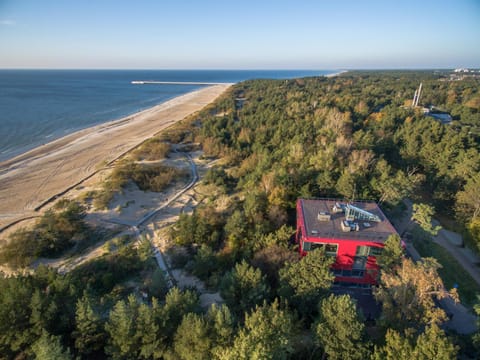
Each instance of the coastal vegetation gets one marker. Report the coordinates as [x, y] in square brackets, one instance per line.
[59, 229]
[274, 141]
[148, 177]
[152, 149]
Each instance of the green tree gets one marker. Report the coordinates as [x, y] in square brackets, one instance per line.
[205, 262]
[392, 253]
[89, 333]
[397, 347]
[305, 281]
[432, 343]
[149, 331]
[339, 329]
[49, 347]
[177, 304]
[15, 331]
[44, 312]
[347, 185]
[244, 287]
[422, 215]
[269, 333]
[192, 339]
[121, 328]
[476, 335]
[392, 186]
[145, 251]
[158, 284]
[236, 230]
[222, 325]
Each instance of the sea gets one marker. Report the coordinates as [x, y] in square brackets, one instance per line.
[39, 106]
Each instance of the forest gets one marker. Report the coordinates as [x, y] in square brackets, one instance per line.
[354, 136]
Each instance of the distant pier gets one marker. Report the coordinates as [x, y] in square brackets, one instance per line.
[148, 82]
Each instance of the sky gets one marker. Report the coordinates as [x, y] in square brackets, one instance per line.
[242, 34]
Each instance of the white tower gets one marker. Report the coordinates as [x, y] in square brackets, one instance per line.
[416, 96]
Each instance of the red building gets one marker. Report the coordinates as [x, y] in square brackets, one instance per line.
[353, 232]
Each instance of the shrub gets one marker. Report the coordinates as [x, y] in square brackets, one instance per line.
[153, 149]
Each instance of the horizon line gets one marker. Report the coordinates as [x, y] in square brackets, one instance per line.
[243, 69]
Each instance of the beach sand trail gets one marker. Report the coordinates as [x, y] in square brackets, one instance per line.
[28, 180]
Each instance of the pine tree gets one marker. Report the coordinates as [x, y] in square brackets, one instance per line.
[89, 330]
[49, 347]
[339, 330]
[121, 327]
[268, 333]
[148, 332]
[192, 339]
[221, 323]
[434, 344]
[244, 287]
[305, 281]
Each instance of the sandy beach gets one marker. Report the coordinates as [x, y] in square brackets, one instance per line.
[29, 180]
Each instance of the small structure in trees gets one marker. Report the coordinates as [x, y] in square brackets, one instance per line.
[352, 232]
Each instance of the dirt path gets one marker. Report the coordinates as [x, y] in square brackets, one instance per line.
[468, 262]
[147, 226]
[177, 276]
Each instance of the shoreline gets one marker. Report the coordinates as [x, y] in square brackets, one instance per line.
[29, 180]
[65, 139]
[336, 74]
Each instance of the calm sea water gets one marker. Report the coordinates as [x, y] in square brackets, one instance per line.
[38, 106]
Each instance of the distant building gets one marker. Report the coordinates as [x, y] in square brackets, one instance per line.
[444, 118]
[354, 233]
[441, 116]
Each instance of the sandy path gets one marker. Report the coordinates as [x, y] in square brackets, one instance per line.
[30, 179]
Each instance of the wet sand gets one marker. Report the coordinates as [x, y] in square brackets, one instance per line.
[29, 180]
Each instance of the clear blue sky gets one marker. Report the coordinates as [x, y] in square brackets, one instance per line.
[242, 34]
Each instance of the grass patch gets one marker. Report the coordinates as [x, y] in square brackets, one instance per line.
[451, 272]
[154, 178]
[148, 177]
[152, 149]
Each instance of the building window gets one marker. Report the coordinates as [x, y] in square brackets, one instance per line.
[358, 273]
[306, 246]
[375, 251]
[362, 250]
[337, 272]
[346, 273]
[359, 262]
[330, 249]
[368, 251]
[349, 273]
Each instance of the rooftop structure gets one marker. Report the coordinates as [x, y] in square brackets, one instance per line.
[325, 218]
[353, 232]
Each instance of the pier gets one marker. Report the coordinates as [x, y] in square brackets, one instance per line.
[148, 82]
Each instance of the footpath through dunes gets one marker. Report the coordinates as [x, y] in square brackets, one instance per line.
[30, 180]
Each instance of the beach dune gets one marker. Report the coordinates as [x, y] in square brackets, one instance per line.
[29, 180]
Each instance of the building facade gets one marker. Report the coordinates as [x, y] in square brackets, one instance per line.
[353, 233]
